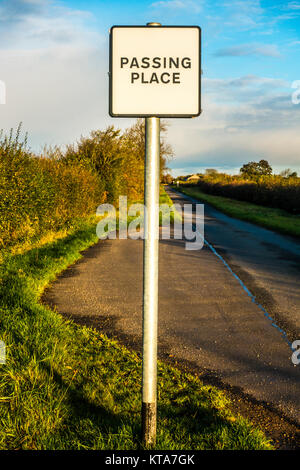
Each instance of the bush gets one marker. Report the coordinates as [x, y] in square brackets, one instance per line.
[118, 158]
[271, 191]
[55, 190]
[39, 194]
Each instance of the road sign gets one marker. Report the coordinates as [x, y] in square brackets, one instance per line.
[155, 71]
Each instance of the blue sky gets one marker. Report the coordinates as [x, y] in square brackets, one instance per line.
[54, 62]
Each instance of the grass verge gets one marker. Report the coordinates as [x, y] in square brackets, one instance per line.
[69, 387]
[273, 219]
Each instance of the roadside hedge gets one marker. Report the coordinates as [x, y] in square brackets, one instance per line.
[39, 194]
[271, 191]
[55, 190]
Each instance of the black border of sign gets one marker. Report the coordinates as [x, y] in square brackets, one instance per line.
[110, 75]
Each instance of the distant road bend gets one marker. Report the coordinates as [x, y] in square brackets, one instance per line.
[231, 309]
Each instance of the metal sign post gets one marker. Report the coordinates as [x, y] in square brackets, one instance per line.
[154, 72]
[150, 288]
[150, 291]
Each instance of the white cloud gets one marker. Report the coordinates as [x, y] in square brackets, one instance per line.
[256, 16]
[247, 7]
[42, 23]
[293, 6]
[179, 5]
[286, 11]
[247, 80]
[55, 70]
[244, 14]
[243, 119]
[244, 89]
[267, 50]
[58, 93]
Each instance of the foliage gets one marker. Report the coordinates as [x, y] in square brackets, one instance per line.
[40, 194]
[167, 178]
[252, 169]
[272, 191]
[288, 173]
[135, 136]
[55, 190]
[101, 153]
[118, 158]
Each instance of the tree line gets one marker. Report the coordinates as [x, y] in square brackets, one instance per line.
[256, 183]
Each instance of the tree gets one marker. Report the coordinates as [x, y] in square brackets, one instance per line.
[288, 173]
[136, 136]
[252, 169]
[102, 153]
[211, 171]
[167, 178]
[134, 142]
[118, 159]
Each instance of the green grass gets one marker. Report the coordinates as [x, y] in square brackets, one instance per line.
[274, 219]
[164, 199]
[66, 386]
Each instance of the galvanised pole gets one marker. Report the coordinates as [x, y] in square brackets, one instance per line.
[150, 291]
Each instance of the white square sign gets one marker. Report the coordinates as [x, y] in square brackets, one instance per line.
[155, 71]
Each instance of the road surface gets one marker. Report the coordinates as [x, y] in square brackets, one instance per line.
[230, 310]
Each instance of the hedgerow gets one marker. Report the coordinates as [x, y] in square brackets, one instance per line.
[271, 191]
[39, 194]
[59, 188]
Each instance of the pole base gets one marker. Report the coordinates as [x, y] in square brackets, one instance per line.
[149, 424]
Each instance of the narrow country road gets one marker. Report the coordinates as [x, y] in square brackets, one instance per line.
[231, 309]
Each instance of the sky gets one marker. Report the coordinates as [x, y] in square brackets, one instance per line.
[54, 64]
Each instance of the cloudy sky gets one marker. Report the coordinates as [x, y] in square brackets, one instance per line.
[54, 63]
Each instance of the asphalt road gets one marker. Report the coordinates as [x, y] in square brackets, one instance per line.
[230, 309]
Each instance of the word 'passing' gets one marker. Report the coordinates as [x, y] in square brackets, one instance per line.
[164, 75]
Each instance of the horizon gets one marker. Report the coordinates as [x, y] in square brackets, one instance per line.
[233, 172]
